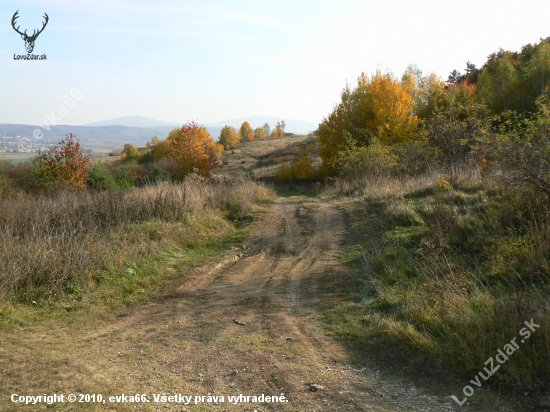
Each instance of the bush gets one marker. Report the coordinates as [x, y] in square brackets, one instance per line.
[62, 166]
[130, 153]
[124, 179]
[299, 169]
[100, 178]
[524, 155]
[359, 166]
[158, 174]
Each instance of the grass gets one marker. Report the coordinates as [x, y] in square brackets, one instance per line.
[115, 245]
[448, 275]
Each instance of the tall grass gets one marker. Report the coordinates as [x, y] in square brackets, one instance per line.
[58, 244]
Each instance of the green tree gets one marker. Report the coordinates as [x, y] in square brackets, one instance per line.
[455, 127]
[524, 152]
[538, 68]
[425, 90]
[499, 84]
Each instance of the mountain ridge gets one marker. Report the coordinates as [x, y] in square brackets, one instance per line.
[292, 125]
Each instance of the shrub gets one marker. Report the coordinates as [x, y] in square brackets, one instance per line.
[158, 174]
[100, 178]
[62, 166]
[299, 169]
[124, 179]
[130, 153]
[360, 165]
[524, 155]
[283, 173]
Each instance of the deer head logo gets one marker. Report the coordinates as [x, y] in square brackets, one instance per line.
[29, 40]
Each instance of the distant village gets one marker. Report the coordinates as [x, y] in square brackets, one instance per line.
[15, 144]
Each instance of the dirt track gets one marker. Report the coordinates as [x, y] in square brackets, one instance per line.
[188, 343]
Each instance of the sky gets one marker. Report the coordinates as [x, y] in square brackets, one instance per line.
[213, 60]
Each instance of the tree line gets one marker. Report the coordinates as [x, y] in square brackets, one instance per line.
[231, 137]
[402, 125]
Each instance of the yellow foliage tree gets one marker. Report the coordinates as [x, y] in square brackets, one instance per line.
[379, 107]
[259, 133]
[229, 137]
[192, 149]
[247, 131]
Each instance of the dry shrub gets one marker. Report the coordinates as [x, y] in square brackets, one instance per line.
[299, 169]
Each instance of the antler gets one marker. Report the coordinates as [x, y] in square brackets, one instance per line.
[34, 35]
[15, 17]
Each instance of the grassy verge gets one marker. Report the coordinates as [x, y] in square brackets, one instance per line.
[447, 276]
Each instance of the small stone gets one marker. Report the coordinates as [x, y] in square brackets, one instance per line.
[239, 322]
[314, 387]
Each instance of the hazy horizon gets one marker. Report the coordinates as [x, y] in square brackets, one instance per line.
[211, 61]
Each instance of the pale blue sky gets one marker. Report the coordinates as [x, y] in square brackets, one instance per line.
[216, 60]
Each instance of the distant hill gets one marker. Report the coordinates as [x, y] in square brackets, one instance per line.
[292, 125]
[134, 121]
[115, 133]
[140, 129]
[136, 135]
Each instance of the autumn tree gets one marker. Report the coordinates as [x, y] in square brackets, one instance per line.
[378, 107]
[279, 130]
[267, 130]
[259, 133]
[63, 166]
[161, 149]
[153, 142]
[229, 137]
[192, 149]
[247, 133]
[130, 153]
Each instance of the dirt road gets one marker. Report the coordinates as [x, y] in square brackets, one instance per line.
[188, 343]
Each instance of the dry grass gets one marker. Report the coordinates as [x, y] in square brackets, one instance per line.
[61, 244]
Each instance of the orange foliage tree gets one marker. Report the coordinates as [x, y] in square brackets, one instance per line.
[63, 166]
[192, 149]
